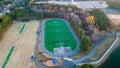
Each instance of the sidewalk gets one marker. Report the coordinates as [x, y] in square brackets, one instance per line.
[79, 60]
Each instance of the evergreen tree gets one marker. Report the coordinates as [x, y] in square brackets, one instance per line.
[80, 35]
[85, 43]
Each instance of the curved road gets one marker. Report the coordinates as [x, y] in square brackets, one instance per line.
[79, 61]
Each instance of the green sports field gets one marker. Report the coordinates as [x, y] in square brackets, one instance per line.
[56, 34]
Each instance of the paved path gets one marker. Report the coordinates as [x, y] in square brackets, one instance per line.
[107, 52]
[24, 45]
[79, 60]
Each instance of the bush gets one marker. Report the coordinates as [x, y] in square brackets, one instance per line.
[5, 21]
[1, 28]
[20, 12]
[85, 43]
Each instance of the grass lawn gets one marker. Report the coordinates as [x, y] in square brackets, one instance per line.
[56, 34]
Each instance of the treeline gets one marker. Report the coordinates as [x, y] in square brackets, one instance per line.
[114, 5]
[4, 21]
[2, 2]
[24, 14]
[84, 41]
[101, 19]
[60, 6]
[21, 14]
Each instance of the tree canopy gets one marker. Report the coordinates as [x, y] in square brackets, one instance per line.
[80, 35]
[5, 20]
[2, 2]
[85, 43]
[31, 2]
[101, 19]
[114, 5]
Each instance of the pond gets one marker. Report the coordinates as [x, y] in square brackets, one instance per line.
[113, 61]
[110, 11]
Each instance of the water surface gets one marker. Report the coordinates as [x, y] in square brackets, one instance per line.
[113, 61]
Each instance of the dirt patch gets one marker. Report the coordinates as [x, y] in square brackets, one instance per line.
[24, 45]
[113, 16]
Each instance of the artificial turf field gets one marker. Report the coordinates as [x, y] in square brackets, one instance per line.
[56, 34]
